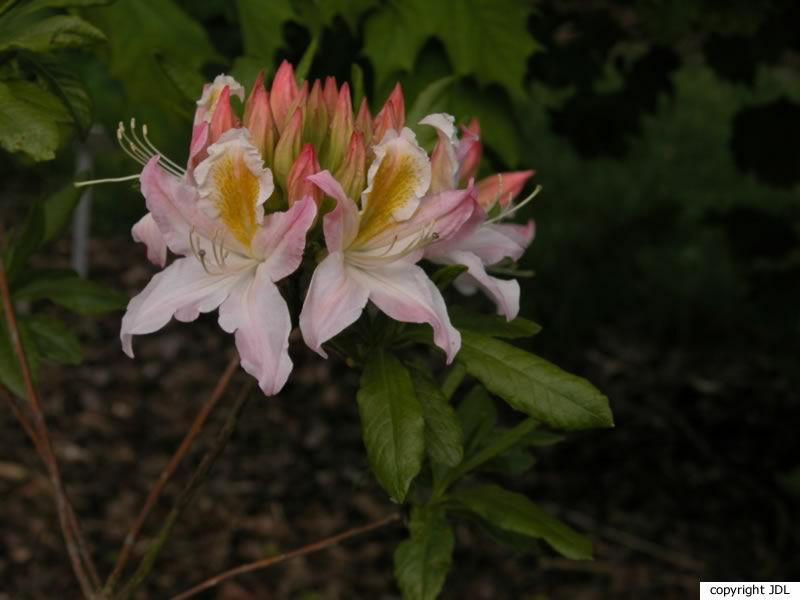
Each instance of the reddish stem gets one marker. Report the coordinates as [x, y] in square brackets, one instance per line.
[158, 486]
[76, 548]
[268, 562]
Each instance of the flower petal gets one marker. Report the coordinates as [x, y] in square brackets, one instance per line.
[234, 184]
[282, 238]
[258, 314]
[341, 224]
[334, 301]
[396, 181]
[504, 293]
[493, 243]
[147, 232]
[405, 293]
[173, 205]
[183, 290]
[444, 162]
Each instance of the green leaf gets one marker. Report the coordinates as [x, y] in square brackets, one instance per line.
[443, 437]
[453, 379]
[514, 512]
[499, 444]
[430, 99]
[53, 340]
[533, 385]
[50, 33]
[65, 85]
[421, 563]
[29, 120]
[446, 275]
[492, 324]
[301, 71]
[261, 24]
[392, 423]
[72, 292]
[34, 5]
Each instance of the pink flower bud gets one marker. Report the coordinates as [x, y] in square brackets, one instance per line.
[352, 172]
[397, 104]
[469, 151]
[223, 118]
[330, 93]
[258, 120]
[288, 148]
[284, 93]
[199, 145]
[363, 123]
[315, 119]
[384, 121]
[341, 129]
[502, 188]
[298, 184]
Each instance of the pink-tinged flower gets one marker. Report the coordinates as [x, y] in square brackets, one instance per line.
[372, 252]
[483, 241]
[232, 253]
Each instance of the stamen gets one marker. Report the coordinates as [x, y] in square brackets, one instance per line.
[78, 184]
[142, 151]
[511, 209]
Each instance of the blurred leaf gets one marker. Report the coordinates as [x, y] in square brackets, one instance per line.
[514, 512]
[141, 30]
[25, 241]
[186, 80]
[58, 210]
[421, 563]
[492, 324]
[72, 292]
[10, 375]
[478, 415]
[29, 119]
[533, 385]
[301, 71]
[392, 422]
[66, 86]
[32, 6]
[511, 463]
[316, 14]
[261, 24]
[543, 438]
[446, 275]
[50, 33]
[245, 70]
[431, 99]
[394, 34]
[53, 340]
[484, 38]
[443, 437]
[488, 39]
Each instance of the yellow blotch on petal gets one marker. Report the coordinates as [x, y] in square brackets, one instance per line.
[393, 188]
[236, 194]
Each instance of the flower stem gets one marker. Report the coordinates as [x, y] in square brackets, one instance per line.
[268, 562]
[188, 494]
[158, 486]
[36, 427]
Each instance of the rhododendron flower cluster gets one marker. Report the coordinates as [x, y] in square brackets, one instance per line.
[242, 216]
